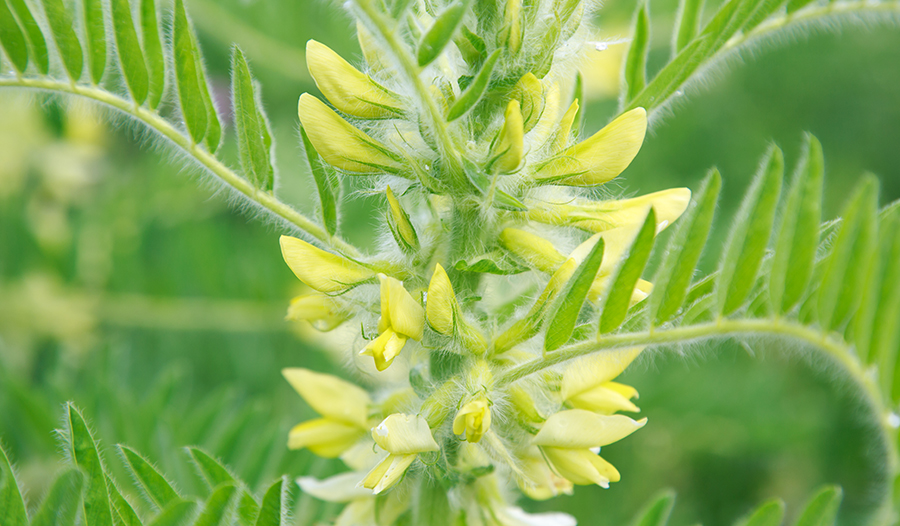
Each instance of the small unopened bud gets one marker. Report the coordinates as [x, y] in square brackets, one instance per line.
[506, 155]
[530, 93]
[323, 271]
[532, 248]
[401, 227]
[350, 90]
[341, 144]
[599, 158]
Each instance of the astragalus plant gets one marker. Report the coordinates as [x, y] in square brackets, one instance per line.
[487, 325]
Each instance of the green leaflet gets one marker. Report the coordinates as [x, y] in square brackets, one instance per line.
[667, 81]
[769, 514]
[12, 507]
[131, 57]
[568, 304]
[844, 273]
[214, 129]
[13, 39]
[619, 297]
[862, 327]
[247, 509]
[175, 514]
[796, 5]
[271, 513]
[256, 157]
[153, 52]
[798, 238]
[187, 76]
[95, 38]
[683, 252]
[635, 71]
[750, 235]
[473, 93]
[657, 512]
[822, 509]
[471, 46]
[124, 513]
[212, 471]
[33, 35]
[216, 506]
[688, 21]
[886, 336]
[60, 506]
[156, 488]
[327, 183]
[441, 33]
[84, 453]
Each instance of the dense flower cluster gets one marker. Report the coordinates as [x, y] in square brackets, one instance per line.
[479, 193]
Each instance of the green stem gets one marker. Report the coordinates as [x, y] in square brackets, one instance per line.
[411, 71]
[154, 121]
[833, 346]
[810, 14]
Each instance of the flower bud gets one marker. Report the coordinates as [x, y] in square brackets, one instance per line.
[324, 437]
[473, 420]
[322, 312]
[599, 158]
[402, 317]
[347, 88]
[506, 155]
[323, 271]
[564, 132]
[530, 93]
[401, 227]
[441, 307]
[341, 144]
[532, 248]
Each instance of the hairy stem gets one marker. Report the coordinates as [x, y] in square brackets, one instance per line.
[207, 160]
[411, 71]
[832, 346]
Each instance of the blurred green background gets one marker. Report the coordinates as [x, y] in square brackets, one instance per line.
[129, 285]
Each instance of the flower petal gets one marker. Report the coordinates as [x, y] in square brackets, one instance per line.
[330, 396]
[323, 271]
[577, 428]
[441, 304]
[324, 437]
[343, 487]
[595, 369]
[576, 465]
[403, 434]
[406, 316]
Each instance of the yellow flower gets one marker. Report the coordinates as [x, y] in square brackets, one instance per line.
[570, 441]
[599, 158]
[400, 223]
[402, 317]
[473, 420]
[350, 90]
[532, 248]
[403, 437]
[564, 132]
[341, 144]
[322, 312]
[323, 271]
[530, 93]
[344, 408]
[601, 216]
[587, 382]
[540, 482]
[506, 155]
[442, 312]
